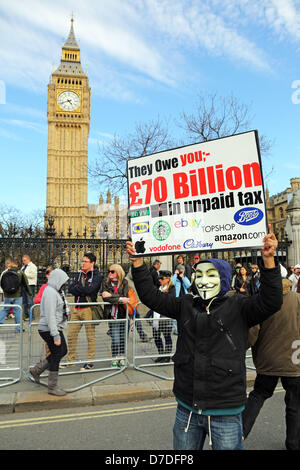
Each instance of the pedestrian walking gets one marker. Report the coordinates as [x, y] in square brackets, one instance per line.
[54, 313]
[37, 299]
[209, 363]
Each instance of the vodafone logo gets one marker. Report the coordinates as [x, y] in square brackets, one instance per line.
[165, 247]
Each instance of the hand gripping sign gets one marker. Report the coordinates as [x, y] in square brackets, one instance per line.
[201, 197]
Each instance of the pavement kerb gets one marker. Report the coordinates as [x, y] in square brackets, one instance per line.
[90, 396]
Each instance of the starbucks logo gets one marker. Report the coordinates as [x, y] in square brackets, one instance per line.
[161, 230]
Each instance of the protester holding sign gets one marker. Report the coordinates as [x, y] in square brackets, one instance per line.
[210, 374]
[204, 196]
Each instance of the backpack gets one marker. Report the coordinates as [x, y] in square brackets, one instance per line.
[10, 282]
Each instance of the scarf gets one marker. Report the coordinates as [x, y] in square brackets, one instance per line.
[66, 310]
[114, 308]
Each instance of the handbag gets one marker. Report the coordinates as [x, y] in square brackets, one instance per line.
[132, 302]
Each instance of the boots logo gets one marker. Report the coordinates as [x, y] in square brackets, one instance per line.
[248, 216]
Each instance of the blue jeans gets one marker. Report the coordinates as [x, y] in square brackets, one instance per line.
[17, 312]
[117, 330]
[226, 431]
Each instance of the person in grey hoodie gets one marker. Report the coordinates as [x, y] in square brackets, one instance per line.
[54, 313]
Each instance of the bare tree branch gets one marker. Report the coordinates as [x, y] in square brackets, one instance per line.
[13, 223]
[216, 116]
[109, 170]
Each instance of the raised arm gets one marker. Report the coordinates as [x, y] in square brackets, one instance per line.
[149, 295]
[260, 306]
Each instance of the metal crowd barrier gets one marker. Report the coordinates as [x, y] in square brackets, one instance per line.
[108, 347]
[149, 357]
[11, 349]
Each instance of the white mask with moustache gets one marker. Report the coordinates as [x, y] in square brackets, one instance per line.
[207, 280]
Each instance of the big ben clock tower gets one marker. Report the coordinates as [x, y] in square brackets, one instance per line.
[68, 114]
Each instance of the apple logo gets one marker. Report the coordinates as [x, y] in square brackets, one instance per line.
[139, 246]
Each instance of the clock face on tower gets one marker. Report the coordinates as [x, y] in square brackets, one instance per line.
[68, 100]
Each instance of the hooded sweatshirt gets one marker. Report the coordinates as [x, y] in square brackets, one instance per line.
[52, 316]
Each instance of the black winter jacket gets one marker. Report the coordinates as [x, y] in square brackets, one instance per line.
[209, 363]
[114, 299]
[86, 284]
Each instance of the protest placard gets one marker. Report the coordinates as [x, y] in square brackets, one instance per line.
[201, 197]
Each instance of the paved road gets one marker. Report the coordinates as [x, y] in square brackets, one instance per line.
[130, 426]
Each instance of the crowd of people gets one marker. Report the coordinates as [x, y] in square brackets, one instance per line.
[214, 331]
